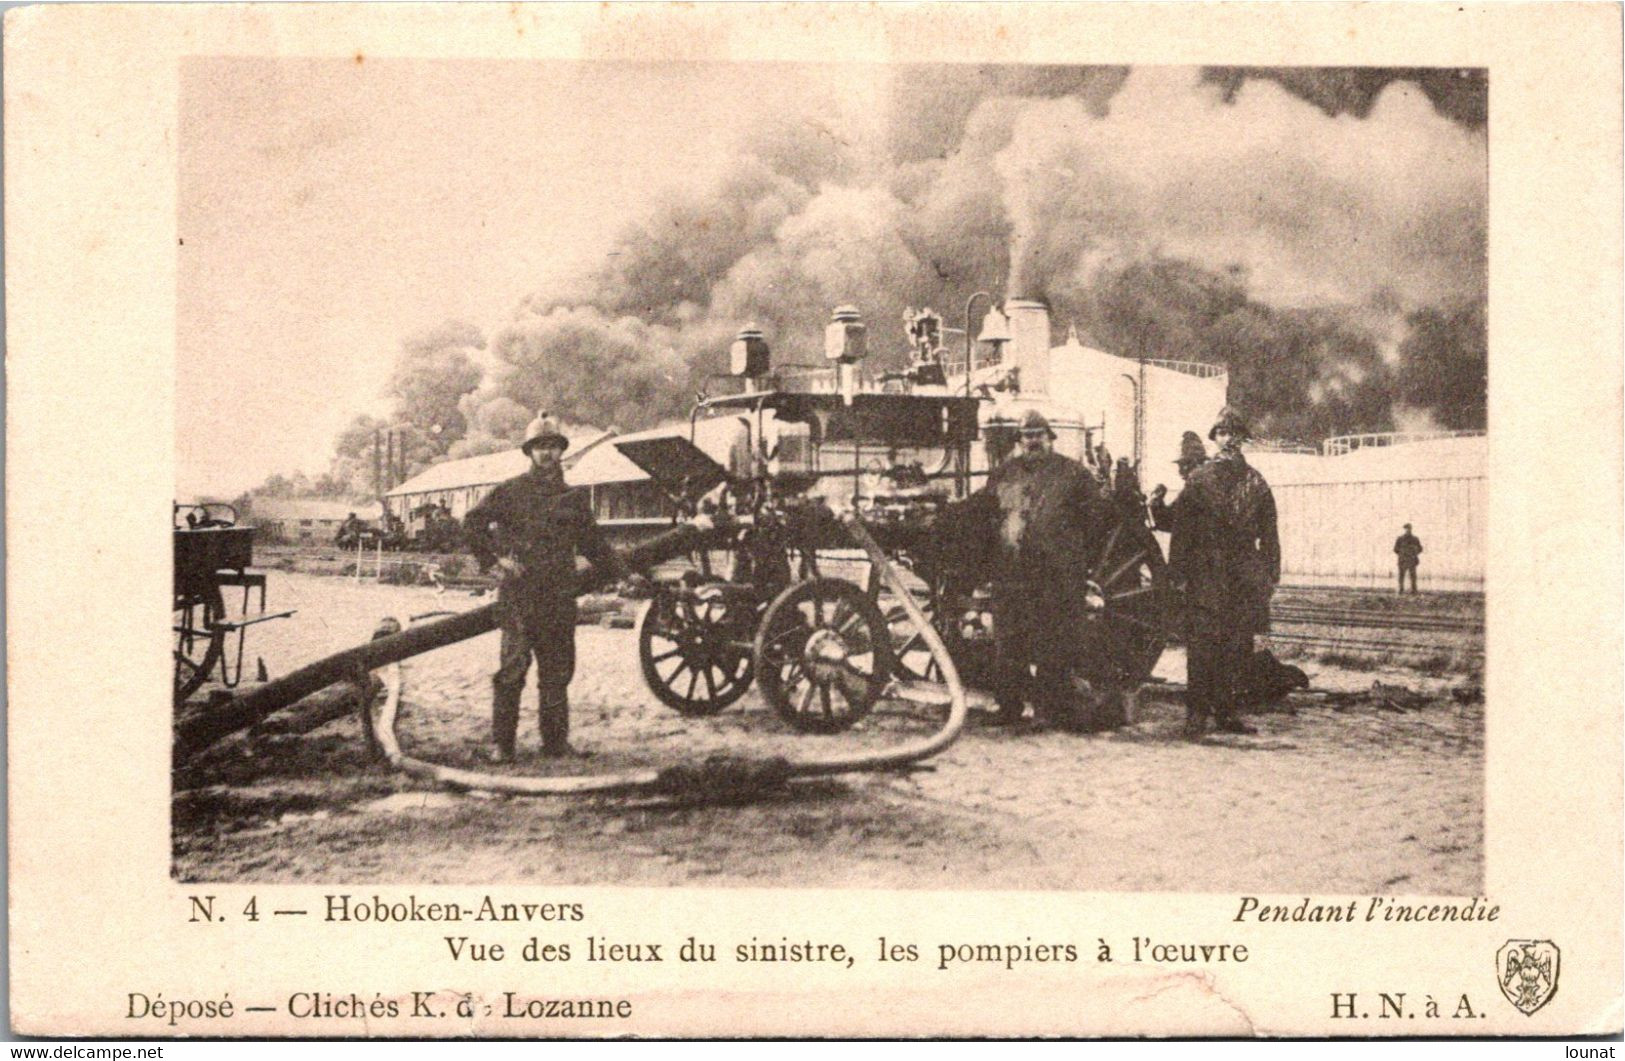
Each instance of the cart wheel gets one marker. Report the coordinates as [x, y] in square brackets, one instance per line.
[1124, 604]
[694, 649]
[199, 644]
[823, 655]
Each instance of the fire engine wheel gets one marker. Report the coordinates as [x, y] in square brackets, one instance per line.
[1125, 598]
[823, 655]
[199, 643]
[694, 654]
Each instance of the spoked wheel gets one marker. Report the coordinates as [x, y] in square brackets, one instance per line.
[1124, 602]
[823, 655]
[200, 643]
[911, 658]
[695, 650]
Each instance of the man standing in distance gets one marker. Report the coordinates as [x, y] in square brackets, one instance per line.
[531, 527]
[1408, 548]
[1226, 553]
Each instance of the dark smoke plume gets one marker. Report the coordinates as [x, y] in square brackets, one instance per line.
[1310, 228]
[1444, 363]
[1459, 94]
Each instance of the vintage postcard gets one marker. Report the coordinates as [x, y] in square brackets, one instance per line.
[734, 520]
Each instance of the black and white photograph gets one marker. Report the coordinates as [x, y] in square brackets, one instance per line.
[981, 475]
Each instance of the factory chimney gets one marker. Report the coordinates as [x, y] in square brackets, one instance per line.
[1029, 343]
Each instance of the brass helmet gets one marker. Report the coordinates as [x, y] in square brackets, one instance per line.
[1191, 450]
[1231, 421]
[1034, 423]
[543, 429]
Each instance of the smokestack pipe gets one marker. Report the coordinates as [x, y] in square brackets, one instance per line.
[1030, 343]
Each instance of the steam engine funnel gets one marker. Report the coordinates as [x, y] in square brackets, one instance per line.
[1030, 343]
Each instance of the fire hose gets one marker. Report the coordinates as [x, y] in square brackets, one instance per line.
[713, 776]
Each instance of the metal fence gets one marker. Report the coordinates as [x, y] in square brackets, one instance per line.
[1342, 533]
[1341, 444]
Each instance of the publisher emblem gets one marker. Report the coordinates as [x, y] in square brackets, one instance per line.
[1527, 972]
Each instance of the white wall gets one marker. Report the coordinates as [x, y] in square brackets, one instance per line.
[1339, 516]
[1176, 403]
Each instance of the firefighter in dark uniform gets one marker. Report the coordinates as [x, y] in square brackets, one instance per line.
[1191, 455]
[1226, 555]
[531, 527]
[1408, 548]
[1043, 499]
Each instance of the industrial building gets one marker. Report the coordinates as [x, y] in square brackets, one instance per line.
[1135, 408]
[1340, 506]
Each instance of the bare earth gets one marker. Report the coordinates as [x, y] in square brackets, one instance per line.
[1356, 797]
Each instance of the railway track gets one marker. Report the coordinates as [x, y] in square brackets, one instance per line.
[1371, 631]
[1371, 619]
[1373, 645]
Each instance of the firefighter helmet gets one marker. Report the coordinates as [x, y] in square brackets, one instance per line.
[1231, 421]
[1191, 450]
[543, 429]
[1034, 423]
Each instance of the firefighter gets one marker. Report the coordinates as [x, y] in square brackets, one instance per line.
[531, 528]
[1042, 497]
[1226, 557]
[1408, 548]
[1191, 455]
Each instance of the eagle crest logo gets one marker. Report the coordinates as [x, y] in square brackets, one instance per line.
[1526, 969]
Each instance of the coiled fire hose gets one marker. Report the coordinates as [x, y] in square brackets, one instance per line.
[718, 775]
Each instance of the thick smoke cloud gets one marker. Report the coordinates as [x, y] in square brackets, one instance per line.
[1444, 364]
[436, 368]
[590, 367]
[1298, 226]
[1317, 210]
[931, 106]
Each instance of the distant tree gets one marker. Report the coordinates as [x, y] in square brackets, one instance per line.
[353, 463]
[278, 485]
[331, 487]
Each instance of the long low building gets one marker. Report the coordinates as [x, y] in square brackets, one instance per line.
[301, 519]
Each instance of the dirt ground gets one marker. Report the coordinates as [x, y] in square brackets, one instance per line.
[1331, 795]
